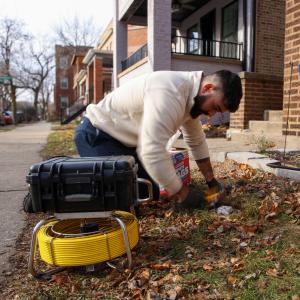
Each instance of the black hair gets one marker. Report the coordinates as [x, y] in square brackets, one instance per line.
[231, 87]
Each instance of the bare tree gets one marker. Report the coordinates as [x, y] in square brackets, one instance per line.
[35, 69]
[45, 95]
[12, 36]
[77, 32]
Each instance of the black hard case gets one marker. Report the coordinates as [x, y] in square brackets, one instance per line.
[85, 184]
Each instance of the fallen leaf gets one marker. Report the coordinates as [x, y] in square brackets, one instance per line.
[272, 272]
[169, 213]
[172, 294]
[270, 215]
[238, 266]
[249, 229]
[232, 280]
[217, 243]
[144, 275]
[60, 279]
[170, 278]
[234, 260]
[177, 278]
[262, 284]
[208, 267]
[167, 279]
[243, 244]
[163, 266]
[243, 166]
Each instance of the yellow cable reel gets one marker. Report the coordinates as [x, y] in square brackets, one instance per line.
[61, 243]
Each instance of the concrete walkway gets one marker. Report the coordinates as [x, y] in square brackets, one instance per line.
[19, 149]
[219, 146]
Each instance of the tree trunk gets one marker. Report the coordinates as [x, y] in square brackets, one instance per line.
[14, 103]
[35, 103]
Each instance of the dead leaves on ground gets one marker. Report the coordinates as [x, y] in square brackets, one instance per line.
[176, 247]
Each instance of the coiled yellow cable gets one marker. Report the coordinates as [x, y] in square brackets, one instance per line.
[57, 248]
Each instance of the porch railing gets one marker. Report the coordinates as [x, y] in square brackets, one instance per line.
[212, 48]
[135, 57]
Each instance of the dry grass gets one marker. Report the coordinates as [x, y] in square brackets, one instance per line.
[60, 142]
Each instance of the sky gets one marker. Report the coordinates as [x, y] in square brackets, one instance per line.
[41, 15]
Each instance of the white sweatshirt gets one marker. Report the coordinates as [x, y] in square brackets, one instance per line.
[146, 112]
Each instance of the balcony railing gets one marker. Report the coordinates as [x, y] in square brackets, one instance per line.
[212, 48]
[135, 57]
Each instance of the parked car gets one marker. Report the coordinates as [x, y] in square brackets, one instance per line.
[20, 116]
[7, 117]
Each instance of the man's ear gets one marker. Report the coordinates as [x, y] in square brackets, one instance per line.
[208, 87]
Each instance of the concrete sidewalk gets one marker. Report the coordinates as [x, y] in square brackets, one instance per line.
[19, 149]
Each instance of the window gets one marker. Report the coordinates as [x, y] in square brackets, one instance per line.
[64, 83]
[63, 62]
[64, 101]
[230, 16]
[193, 39]
[230, 22]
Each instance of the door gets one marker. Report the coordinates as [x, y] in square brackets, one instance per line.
[207, 27]
[193, 40]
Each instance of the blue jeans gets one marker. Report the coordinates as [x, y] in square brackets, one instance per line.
[92, 142]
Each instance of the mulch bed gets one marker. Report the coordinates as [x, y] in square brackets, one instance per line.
[290, 159]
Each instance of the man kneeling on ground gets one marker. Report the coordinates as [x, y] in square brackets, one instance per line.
[141, 116]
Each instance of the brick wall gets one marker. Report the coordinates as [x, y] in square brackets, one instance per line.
[65, 71]
[261, 92]
[269, 43]
[61, 72]
[98, 80]
[292, 53]
[137, 37]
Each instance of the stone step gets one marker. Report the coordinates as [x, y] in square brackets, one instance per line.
[266, 127]
[273, 115]
[246, 136]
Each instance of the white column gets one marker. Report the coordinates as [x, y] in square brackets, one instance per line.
[119, 44]
[249, 43]
[159, 34]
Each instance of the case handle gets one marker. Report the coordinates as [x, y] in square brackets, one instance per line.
[78, 198]
[150, 190]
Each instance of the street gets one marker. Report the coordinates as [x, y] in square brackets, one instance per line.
[19, 149]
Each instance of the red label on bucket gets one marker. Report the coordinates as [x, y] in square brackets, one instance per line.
[180, 158]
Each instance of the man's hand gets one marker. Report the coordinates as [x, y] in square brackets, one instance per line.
[180, 195]
[185, 198]
[216, 188]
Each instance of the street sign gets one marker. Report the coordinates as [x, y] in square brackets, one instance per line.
[5, 79]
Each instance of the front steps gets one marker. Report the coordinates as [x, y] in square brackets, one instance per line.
[272, 124]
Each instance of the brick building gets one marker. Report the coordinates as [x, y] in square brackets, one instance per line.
[64, 74]
[92, 68]
[292, 54]
[244, 36]
[263, 87]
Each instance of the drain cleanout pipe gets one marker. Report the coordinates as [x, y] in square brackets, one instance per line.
[288, 109]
